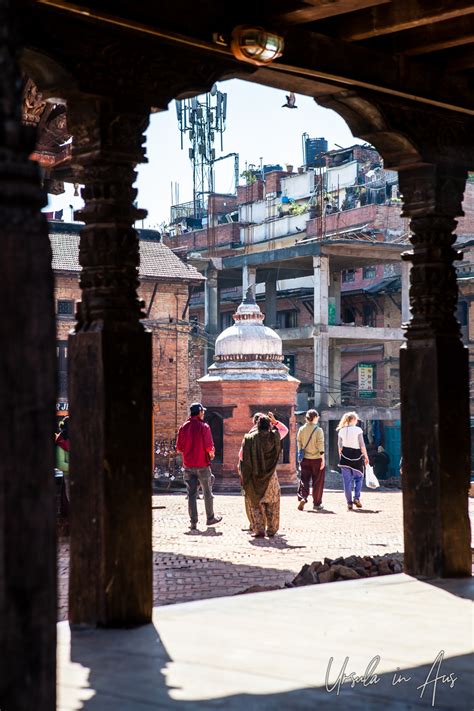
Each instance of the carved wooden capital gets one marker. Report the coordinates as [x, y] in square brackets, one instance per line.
[434, 189]
[432, 197]
[108, 143]
[21, 196]
[33, 104]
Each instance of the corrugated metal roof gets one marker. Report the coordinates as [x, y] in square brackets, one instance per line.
[156, 259]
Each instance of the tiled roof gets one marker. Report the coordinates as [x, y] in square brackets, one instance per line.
[156, 259]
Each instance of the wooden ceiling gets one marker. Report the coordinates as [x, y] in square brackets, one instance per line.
[421, 50]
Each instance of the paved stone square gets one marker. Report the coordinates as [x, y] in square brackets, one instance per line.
[223, 560]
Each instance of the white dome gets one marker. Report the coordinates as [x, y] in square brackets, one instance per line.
[248, 350]
[248, 338]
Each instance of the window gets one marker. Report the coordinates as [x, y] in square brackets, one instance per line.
[287, 319]
[215, 422]
[348, 316]
[370, 272]
[348, 275]
[65, 307]
[368, 315]
[226, 320]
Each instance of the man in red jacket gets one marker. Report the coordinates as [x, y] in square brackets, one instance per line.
[197, 447]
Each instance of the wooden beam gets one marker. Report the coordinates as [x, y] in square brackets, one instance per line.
[310, 58]
[346, 64]
[313, 10]
[400, 16]
[458, 60]
[433, 38]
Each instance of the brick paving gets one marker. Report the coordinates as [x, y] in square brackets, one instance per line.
[224, 560]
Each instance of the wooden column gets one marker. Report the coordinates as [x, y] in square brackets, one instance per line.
[110, 379]
[27, 406]
[434, 382]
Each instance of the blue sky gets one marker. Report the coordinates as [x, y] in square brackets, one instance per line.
[257, 127]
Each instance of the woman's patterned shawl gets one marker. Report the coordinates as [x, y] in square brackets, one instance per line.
[260, 454]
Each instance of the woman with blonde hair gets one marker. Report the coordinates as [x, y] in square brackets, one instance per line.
[352, 457]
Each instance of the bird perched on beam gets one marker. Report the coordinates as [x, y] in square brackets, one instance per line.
[290, 102]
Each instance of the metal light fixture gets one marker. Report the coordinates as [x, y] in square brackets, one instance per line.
[255, 45]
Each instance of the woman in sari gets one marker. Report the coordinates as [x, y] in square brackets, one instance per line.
[260, 453]
[282, 429]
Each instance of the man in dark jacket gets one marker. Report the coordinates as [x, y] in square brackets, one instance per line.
[197, 448]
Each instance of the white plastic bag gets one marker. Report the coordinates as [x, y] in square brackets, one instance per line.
[370, 479]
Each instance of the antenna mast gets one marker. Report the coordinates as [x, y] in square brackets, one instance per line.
[202, 118]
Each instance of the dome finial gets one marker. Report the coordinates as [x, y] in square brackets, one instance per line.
[249, 297]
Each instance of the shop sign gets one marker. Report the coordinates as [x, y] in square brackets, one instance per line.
[366, 379]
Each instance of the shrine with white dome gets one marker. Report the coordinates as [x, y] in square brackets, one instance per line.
[248, 376]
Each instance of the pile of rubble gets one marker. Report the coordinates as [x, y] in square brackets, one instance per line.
[350, 568]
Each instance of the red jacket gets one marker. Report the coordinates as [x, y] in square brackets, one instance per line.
[195, 442]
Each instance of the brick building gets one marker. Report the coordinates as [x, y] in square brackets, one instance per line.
[165, 286]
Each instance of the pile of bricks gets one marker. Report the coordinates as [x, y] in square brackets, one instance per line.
[350, 568]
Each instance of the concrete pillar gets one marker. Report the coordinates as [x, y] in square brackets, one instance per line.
[335, 293]
[321, 337]
[249, 278]
[324, 424]
[271, 300]
[335, 374]
[211, 313]
[405, 291]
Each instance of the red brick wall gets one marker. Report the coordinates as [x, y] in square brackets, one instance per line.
[222, 204]
[359, 281]
[388, 217]
[244, 395]
[273, 181]
[171, 360]
[250, 193]
[66, 287]
[198, 239]
[170, 355]
[382, 217]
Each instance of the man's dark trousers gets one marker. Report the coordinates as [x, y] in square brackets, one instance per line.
[311, 474]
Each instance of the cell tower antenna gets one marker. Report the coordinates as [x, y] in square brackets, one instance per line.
[202, 117]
